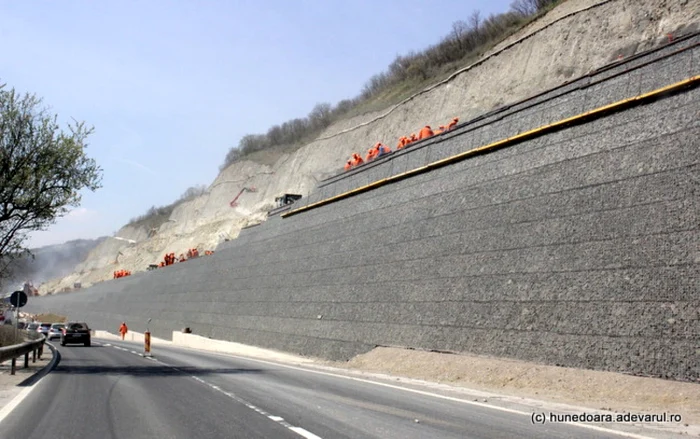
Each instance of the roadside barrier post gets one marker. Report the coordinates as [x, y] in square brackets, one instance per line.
[13, 367]
[33, 355]
[147, 340]
[147, 343]
[26, 360]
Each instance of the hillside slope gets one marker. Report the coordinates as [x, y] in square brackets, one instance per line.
[49, 262]
[572, 39]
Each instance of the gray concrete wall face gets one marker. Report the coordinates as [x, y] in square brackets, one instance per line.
[579, 248]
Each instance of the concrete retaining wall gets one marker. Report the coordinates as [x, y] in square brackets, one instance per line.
[579, 248]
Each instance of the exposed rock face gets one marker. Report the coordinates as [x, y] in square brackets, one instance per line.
[573, 39]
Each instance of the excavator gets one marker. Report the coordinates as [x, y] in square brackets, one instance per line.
[234, 203]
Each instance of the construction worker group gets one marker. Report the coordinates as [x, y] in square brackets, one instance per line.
[379, 149]
[170, 259]
[121, 273]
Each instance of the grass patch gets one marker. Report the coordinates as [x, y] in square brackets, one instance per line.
[50, 318]
[7, 335]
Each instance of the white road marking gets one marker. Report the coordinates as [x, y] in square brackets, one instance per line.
[422, 392]
[304, 433]
[16, 401]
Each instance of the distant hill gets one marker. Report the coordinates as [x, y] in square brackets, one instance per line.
[50, 262]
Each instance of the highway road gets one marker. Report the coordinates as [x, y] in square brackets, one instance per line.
[109, 391]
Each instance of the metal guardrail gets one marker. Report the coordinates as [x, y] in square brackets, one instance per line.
[36, 347]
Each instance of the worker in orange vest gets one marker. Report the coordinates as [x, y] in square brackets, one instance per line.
[123, 329]
[382, 149]
[371, 154]
[401, 143]
[425, 132]
[356, 159]
[453, 123]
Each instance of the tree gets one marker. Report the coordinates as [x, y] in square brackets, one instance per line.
[525, 8]
[460, 29]
[42, 170]
[192, 192]
[320, 115]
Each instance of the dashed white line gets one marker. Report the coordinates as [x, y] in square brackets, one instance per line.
[304, 433]
[278, 419]
[434, 395]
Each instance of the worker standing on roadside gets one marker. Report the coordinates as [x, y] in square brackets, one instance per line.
[123, 329]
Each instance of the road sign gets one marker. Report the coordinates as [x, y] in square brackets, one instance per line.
[18, 299]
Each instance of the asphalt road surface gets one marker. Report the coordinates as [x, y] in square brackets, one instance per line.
[108, 391]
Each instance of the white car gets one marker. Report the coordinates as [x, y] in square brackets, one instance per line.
[44, 328]
[55, 331]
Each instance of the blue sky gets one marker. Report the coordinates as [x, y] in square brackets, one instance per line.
[170, 86]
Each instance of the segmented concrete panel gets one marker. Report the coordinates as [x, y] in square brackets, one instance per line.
[579, 248]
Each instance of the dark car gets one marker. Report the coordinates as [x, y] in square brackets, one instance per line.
[75, 333]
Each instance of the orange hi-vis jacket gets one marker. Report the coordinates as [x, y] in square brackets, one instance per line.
[425, 132]
[356, 159]
[371, 154]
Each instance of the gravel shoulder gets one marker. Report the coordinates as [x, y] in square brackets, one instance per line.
[595, 389]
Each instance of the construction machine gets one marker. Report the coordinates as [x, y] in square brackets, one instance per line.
[234, 203]
[287, 199]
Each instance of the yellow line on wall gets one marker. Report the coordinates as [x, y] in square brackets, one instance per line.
[616, 106]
